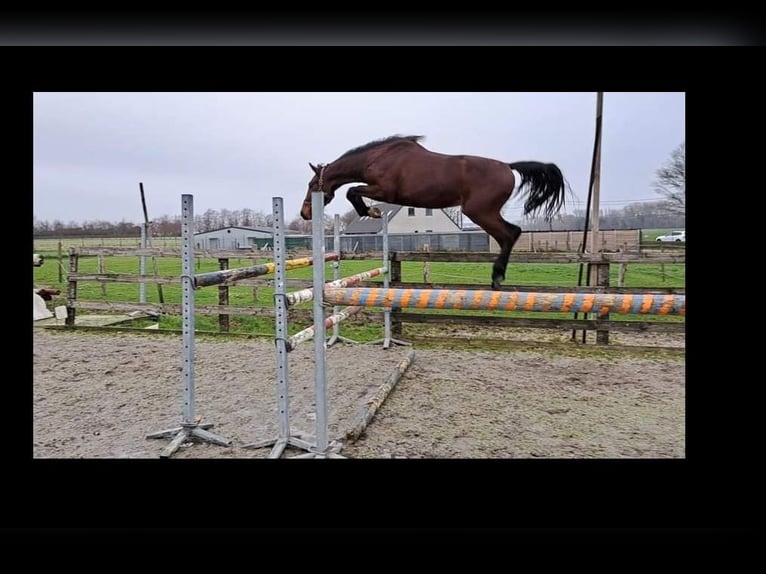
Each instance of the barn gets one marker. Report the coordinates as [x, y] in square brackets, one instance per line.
[236, 237]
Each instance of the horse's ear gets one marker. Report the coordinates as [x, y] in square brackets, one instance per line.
[314, 168]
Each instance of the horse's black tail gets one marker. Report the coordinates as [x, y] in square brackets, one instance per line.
[544, 186]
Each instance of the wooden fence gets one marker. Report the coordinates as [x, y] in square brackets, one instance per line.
[569, 241]
[598, 270]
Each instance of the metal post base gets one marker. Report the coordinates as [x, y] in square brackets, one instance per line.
[387, 342]
[185, 433]
[340, 338]
[298, 441]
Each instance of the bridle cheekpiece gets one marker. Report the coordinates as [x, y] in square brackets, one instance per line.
[321, 167]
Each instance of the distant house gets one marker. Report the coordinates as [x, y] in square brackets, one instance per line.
[237, 238]
[403, 220]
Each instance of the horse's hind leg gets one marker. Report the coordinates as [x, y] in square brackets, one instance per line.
[501, 263]
[356, 194]
[505, 234]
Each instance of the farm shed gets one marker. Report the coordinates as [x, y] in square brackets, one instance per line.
[235, 238]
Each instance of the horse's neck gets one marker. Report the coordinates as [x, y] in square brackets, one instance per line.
[346, 170]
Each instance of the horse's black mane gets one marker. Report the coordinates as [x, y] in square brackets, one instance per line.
[383, 141]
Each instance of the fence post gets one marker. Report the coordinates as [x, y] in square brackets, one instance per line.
[255, 287]
[621, 274]
[142, 267]
[223, 297]
[395, 275]
[71, 291]
[102, 270]
[599, 275]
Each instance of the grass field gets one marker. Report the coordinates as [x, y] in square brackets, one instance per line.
[522, 274]
[49, 247]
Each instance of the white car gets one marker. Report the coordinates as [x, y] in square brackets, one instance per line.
[673, 236]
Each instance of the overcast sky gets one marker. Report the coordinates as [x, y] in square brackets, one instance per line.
[238, 150]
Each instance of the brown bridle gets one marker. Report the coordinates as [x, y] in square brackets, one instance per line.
[321, 181]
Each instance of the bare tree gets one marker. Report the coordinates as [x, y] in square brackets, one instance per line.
[671, 181]
[300, 225]
[208, 220]
[347, 218]
[260, 219]
[247, 217]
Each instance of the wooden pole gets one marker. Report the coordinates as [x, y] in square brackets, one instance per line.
[102, 269]
[595, 271]
[223, 297]
[591, 184]
[149, 241]
[594, 238]
[61, 264]
[255, 287]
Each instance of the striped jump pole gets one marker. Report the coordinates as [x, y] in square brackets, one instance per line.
[377, 401]
[308, 333]
[305, 295]
[600, 303]
[230, 275]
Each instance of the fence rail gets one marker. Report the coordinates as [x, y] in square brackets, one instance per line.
[447, 256]
[598, 264]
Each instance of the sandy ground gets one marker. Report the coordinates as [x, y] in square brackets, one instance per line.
[97, 395]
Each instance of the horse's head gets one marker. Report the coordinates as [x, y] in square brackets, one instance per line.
[317, 183]
[37, 260]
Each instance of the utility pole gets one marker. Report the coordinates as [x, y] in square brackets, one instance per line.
[594, 238]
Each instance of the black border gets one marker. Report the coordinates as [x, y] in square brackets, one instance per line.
[735, 545]
[714, 485]
[389, 24]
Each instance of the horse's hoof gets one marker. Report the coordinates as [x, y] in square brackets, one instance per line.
[374, 212]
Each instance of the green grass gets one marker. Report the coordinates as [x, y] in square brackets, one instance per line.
[523, 274]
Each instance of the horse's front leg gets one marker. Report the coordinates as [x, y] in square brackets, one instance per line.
[356, 196]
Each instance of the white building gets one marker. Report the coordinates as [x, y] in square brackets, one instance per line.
[404, 220]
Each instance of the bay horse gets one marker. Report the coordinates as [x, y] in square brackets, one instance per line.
[399, 170]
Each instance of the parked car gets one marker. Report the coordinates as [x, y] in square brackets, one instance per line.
[673, 236]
